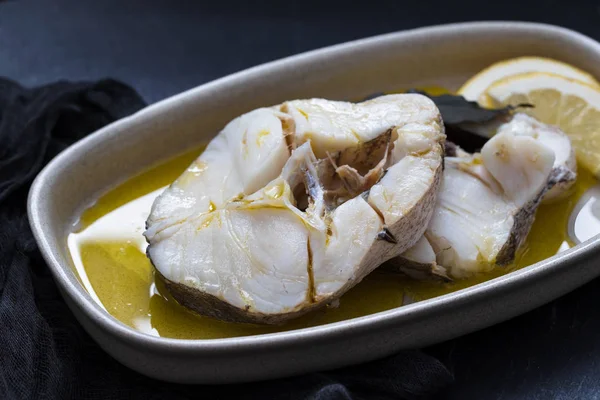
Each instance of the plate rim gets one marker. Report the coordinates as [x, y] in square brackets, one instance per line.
[303, 336]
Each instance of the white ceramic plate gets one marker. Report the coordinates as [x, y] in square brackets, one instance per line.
[443, 55]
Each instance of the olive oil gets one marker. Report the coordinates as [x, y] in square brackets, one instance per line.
[108, 253]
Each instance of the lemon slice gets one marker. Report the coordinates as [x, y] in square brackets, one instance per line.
[572, 105]
[474, 87]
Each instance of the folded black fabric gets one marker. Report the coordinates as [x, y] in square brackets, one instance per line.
[44, 352]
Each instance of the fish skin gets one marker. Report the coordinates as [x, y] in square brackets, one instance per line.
[526, 215]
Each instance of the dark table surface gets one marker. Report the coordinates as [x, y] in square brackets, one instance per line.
[164, 47]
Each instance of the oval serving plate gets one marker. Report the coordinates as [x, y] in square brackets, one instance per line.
[441, 55]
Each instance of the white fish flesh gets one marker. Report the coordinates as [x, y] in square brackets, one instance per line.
[552, 137]
[290, 206]
[487, 201]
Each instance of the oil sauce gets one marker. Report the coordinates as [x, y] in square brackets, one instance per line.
[108, 253]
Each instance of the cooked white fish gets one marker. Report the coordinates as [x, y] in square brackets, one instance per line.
[550, 135]
[565, 163]
[290, 206]
[487, 201]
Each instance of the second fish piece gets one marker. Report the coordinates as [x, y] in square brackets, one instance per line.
[487, 201]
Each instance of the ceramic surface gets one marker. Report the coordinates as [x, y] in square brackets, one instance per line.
[441, 55]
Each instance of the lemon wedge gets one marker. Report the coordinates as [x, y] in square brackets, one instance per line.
[572, 105]
[476, 86]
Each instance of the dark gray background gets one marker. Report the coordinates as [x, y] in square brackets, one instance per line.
[164, 47]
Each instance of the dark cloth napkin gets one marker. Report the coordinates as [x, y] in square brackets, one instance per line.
[44, 352]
